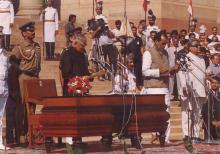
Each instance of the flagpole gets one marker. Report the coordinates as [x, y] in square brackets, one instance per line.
[145, 16]
[93, 8]
[189, 22]
[126, 25]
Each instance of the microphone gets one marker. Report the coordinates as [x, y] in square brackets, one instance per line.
[102, 64]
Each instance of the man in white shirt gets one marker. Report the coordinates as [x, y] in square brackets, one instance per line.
[129, 79]
[214, 33]
[193, 94]
[214, 67]
[6, 20]
[156, 70]
[117, 33]
[104, 37]
[192, 29]
[50, 18]
[172, 62]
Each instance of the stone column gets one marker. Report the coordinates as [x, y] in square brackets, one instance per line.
[30, 8]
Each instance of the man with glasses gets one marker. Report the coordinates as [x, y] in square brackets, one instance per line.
[194, 94]
[73, 62]
[29, 54]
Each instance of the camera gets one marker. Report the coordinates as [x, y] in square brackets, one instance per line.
[94, 24]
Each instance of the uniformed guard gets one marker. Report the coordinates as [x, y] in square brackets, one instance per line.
[4, 65]
[151, 27]
[6, 20]
[28, 52]
[50, 18]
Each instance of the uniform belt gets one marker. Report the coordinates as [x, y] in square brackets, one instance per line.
[49, 20]
[29, 74]
[4, 11]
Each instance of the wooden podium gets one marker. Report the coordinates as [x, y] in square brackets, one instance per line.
[102, 115]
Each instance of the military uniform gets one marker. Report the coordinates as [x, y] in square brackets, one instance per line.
[50, 19]
[30, 58]
[6, 19]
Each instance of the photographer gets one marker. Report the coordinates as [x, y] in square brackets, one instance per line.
[103, 37]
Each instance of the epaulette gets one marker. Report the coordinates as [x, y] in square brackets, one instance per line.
[65, 49]
[37, 45]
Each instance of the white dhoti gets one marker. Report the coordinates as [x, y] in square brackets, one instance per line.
[167, 102]
[195, 107]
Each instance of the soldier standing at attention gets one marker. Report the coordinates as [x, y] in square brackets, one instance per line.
[29, 54]
[6, 20]
[69, 27]
[50, 18]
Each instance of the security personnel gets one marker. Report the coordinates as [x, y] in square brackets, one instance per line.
[50, 18]
[151, 27]
[29, 54]
[6, 20]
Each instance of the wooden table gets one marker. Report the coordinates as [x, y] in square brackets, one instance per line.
[102, 115]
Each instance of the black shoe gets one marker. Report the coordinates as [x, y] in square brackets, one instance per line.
[196, 140]
[188, 144]
[136, 142]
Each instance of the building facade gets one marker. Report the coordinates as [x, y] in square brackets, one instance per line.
[167, 11]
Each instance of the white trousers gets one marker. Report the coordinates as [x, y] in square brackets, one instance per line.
[196, 107]
[167, 102]
[3, 100]
[171, 87]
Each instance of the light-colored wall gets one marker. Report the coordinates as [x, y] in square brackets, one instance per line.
[204, 10]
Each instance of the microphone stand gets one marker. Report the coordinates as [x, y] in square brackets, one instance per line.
[43, 19]
[208, 92]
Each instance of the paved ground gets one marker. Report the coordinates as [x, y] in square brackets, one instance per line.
[94, 147]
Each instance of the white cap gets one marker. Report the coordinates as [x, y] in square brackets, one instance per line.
[202, 29]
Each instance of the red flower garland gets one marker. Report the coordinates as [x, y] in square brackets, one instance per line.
[76, 83]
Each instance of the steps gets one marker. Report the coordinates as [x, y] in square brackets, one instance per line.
[50, 70]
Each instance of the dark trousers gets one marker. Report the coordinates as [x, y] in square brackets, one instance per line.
[50, 47]
[7, 39]
[109, 51]
[14, 118]
[138, 72]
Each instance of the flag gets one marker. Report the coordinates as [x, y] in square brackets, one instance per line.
[190, 8]
[145, 5]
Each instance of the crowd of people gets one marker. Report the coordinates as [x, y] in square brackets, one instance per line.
[181, 64]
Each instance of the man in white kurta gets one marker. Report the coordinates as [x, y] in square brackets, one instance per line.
[6, 20]
[155, 69]
[129, 79]
[193, 96]
[4, 65]
[172, 61]
[50, 18]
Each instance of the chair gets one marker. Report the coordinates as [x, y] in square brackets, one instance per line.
[34, 90]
